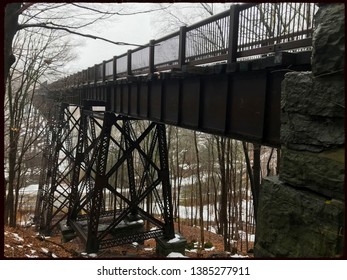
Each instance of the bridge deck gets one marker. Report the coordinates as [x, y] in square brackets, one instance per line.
[239, 99]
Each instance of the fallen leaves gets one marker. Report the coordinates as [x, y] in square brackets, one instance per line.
[26, 243]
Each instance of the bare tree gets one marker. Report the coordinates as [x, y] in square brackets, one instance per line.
[24, 123]
[200, 195]
[30, 57]
[58, 16]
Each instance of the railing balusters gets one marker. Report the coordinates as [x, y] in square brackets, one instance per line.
[245, 30]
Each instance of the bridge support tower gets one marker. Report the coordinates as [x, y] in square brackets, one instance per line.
[107, 180]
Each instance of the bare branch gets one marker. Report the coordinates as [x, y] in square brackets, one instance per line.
[207, 8]
[35, 15]
[118, 13]
[44, 25]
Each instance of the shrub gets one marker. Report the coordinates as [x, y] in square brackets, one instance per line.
[208, 245]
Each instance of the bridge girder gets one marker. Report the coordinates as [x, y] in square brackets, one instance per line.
[239, 100]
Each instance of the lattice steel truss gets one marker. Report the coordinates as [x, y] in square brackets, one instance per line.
[106, 173]
[59, 155]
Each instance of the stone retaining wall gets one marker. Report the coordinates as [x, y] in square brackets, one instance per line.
[301, 212]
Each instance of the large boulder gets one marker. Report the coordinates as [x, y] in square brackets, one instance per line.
[329, 39]
[322, 172]
[294, 223]
[312, 111]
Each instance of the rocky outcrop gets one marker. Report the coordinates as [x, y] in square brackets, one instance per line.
[295, 223]
[312, 111]
[321, 173]
[328, 53]
[301, 212]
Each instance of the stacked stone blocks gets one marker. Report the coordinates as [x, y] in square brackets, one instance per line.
[301, 213]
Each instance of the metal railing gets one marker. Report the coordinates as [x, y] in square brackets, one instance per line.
[243, 32]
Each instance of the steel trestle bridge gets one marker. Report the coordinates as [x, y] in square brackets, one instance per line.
[105, 175]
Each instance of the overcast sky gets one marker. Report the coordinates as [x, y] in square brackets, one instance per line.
[137, 29]
[130, 29]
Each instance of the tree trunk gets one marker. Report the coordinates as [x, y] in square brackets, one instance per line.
[221, 147]
[251, 178]
[10, 30]
[201, 206]
[256, 174]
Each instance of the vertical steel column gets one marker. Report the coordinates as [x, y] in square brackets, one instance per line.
[77, 164]
[48, 178]
[89, 183]
[130, 163]
[169, 231]
[101, 181]
[44, 175]
[56, 139]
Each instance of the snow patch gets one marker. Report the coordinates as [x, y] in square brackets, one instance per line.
[209, 249]
[238, 256]
[212, 229]
[176, 239]
[176, 255]
[17, 237]
[45, 250]
[136, 222]
[31, 256]
[243, 235]
[192, 250]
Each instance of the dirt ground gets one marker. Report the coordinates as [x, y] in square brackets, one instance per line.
[23, 242]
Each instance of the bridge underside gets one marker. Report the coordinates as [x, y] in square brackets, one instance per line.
[239, 100]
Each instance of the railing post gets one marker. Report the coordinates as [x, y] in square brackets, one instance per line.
[182, 47]
[129, 63]
[80, 81]
[151, 56]
[233, 33]
[103, 71]
[89, 74]
[95, 73]
[114, 68]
